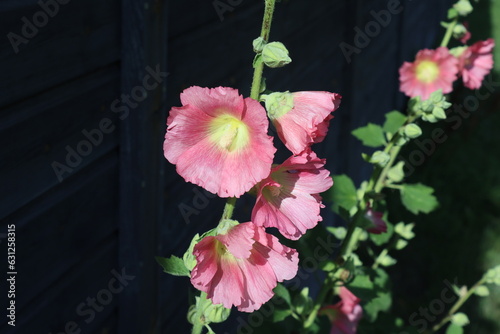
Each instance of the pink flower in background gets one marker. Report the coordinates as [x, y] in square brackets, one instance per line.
[379, 225]
[344, 315]
[242, 266]
[432, 70]
[289, 198]
[301, 118]
[476, 62]
[219, 141]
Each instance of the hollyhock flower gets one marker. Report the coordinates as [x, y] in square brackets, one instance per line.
[242, 266]
[344, 315]
[476, 62]
[375, 217]
[289, 198]
[301, 118]
[219, 141]
[431, 70]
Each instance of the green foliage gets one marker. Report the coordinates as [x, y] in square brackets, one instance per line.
[372, 135]
[460, 319]
[283, 293]
[482, 291]
[493, 276]
[418, 198]
[343, 193]
[372, 287]
[396, 173]
[405, 230]
[454, 329]
[383, 238]
[173, 265]
[393, 121]
[302, 303]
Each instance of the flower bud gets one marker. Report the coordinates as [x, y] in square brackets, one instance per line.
[380, 158]
[258, 44]
[278, 104]
[275, 55]
[463, 7]
[412, 131]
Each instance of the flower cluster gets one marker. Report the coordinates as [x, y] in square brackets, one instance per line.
[438, 69]
[218, 140]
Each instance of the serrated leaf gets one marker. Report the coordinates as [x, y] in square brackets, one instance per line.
[343, 193]
[482, 291]
[393, 121]
[418, 198]
[283, 293]
[173, 265]
[371, 135]
[396, 172]
[460, 319]
[401, 243]
[454, 329]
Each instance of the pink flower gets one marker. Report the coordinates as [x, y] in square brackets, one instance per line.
[379, 225]
[289, 198]
[242, 266]
[344, 315]
[432, 70]
[301, 118]
[219, 141]
[476, 62]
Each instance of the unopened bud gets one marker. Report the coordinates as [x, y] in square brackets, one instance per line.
[463, 7]
[275, 55]
[412, 131]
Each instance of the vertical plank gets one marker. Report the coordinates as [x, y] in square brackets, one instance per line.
[141, 178]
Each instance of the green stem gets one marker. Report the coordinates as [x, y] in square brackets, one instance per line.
[456, 306]
[449, 32]
[197, 327]
[229, 208]
[264, 33]
[327, 285]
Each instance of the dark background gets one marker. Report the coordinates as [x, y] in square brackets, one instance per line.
[120, 205]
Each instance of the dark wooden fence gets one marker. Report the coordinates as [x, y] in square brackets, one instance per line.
[84, 94]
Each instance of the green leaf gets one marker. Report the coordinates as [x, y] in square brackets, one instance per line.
[372, 287]
[283, 293]
[418, 198]
[482, 291]
[493, 276]
[387, 261]
[383, 238]
[173, 265]
[343, 193]
[405, 230]
[396, 172]
[460, 319]
[371, 135]
[393, 121]
[401, 243]
[338, 232]
[302, 302]
[280, 315]
[454, 329]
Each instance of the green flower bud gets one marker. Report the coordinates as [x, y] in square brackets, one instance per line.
[216, 313]
[412, 131]
[275, 55]
[459, 31]
[278, 104]
[463, 7]
[188, 257]
[380, 158]
[457, 51]
[258, 44]
[438, 112]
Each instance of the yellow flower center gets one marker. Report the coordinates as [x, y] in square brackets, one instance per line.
[427, 71]
[229, 133]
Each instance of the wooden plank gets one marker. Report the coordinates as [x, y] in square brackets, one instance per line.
[141, 172]
[26, 164]
[80, 38]
[87, 202]
[52, 310]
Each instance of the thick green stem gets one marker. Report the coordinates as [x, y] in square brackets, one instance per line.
[449, 32]
[327, 285]
[264, 33]
[456, 306]
[229, 208]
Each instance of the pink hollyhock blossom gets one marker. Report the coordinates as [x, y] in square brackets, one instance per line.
[344, 315]
[379, 225]
[242, 266]
[301, 118]
[432, 70]
[289, 198]
[476, 62]
[219, 141]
